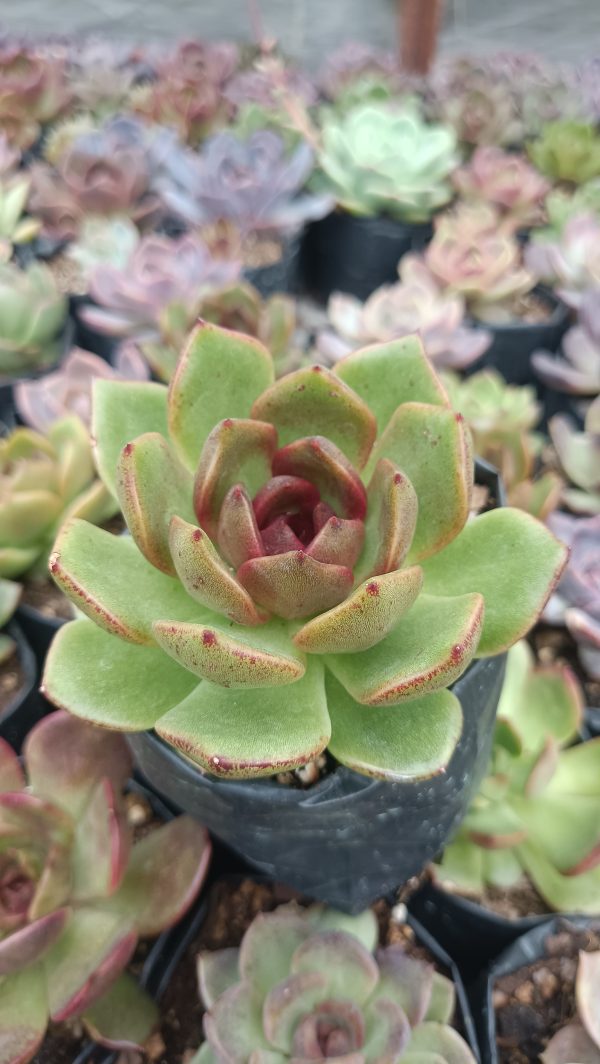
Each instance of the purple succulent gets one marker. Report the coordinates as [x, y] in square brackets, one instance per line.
[258, 86]
[576, 602]
[578, 372]
[10, 156]
[353, 61]
[579, 456]
[571, 262]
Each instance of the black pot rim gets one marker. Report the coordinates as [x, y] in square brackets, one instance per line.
[35, 615]
[29, 666]
[558, 316]
[518, 925]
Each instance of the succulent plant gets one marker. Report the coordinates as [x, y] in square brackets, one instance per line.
[382, 159]
[68, 390]
[537, 812]
[578, 371]
[580, 1038]
[265, 82]
[10, 593]
[15, 227]
[33, 91]
[280, 524]
[253, 183]
[44, 480]
[567, 151]
[506, 181]
[481, 108]
[76, 894]
[32, 318]
[353, 62]
[10, 156]
[562, 204]
[473, 255]
[310, 984]
[415, 304]
[576, 602]
[571, 263]
[579, 456]
[103, 242]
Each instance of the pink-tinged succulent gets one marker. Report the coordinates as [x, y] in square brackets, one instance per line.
[33, 91]
[578, 371]
[76, 891]
[505, 180]
[355, 61]
[68, 390]
[311, 984]
[475, 255]
[579, 456]
[10, 156]
[307, 534]
[537, 812]
[480, 108]
[576, 602]
[580, 1039]
[262, 86]
[253, 183]
[570, 263]
[415, 304]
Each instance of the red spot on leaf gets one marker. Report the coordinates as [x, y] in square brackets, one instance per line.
[373, 588]
[128, 448]
[196, 534]
[457, 652]
[208, 638]
[228, 422]
[459, 418]
[398, 478]
[317, 369]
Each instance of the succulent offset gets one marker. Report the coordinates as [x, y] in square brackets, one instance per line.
[77, 893]
[537, 812]
[567, 151]
[571, 262]
[310, 984]
[579, 456]
[580, 1038]
[385, 159]
[267, 555]
[43, 481]
[577, 372]
[576, 602]
[504, 180]
[32, 318]
[15, 226]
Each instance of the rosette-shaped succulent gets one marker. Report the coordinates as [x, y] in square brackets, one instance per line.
[578, 371]
[383, 159]
[563, 204]
[480, 107]
[32, 318]
[473, 255]
[102, 242]
[579, 456]
[33, 91]
[307, 535]
[572, 262]
[15, 226]
[505, 180]
[537, 812]
[76, 894]
[311, 985]
[415, 304]
[356, 61]
[576, 602]
[567, 151]
[44, 480]
[580, 1038]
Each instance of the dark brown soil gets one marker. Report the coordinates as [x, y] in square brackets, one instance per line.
[533, 1003]
[513, 903]
[556, 645]
[12, 678]
[47, 599]
[61, 1045]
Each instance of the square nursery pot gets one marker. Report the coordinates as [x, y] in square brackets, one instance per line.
[39, 629]
[88, 338]
[280, 276]
[346, 253]
[513, 343]
[8, 415]
[348, 839]
[27, 706]
[526, 950]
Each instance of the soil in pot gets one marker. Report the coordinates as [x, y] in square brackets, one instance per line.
[534, 1002]
[539, 322]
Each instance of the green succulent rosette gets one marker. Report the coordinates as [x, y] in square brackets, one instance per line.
[301, 572]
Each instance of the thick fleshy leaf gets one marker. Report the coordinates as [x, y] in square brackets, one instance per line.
[578, 772]
[551, 693]
[503, 541]
[413, 741]
[343, 1015]
[233, 657]
[314, 401]
[386, 375]
[237, 451]
[563, 893]
[12, 777]
[588, 993]
[14, 561]
[206, 1055]
[387, 1031]
[23, 1015]
[317, 459]
[102, 845]
[219, 375]
[442, 1000]
[363, 926]
[10, 593]
[392, 508]
[294, 585]
[165, 872]
[238, 537]
[205, 577]
[67, 759]
[94, 948]
[338, 542]
[288, 1002]
[431, 446]
[429, 648]
[251, 732]
[152, 486]
[233, 1027]
[123, 410]
[365, 617]
[281, 495]
[405, 980]
[124, 1017]
[218, 970]
[268, 947]
[29, 943]
[109, 682]
[348, 967]
[569, 1045]
[443, 1040]
[98, 570]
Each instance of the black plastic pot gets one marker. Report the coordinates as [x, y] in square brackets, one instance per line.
[526, 950]
[88, 338]
[39, 630]
[345, 253]
[560, 403]
[513, 343]
[27, 706]
[280, 276]
[592, 721]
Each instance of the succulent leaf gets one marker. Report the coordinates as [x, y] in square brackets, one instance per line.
[124, 1017]
[121, 412]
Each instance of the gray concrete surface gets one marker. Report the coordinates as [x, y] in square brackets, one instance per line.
[310, 29]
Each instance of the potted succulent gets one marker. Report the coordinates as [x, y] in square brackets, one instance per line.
[73, 914]
[529, 843]
[506, 181]
[33, 89]
[575, 375]
[20, 704]
[576, 601]
[567, 152]
[569, 260]
[578, 454]
[388, 171]
[283, 525]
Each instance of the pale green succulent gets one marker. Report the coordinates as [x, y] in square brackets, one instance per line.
[567, 151]
[15, 226]
[32, 317]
